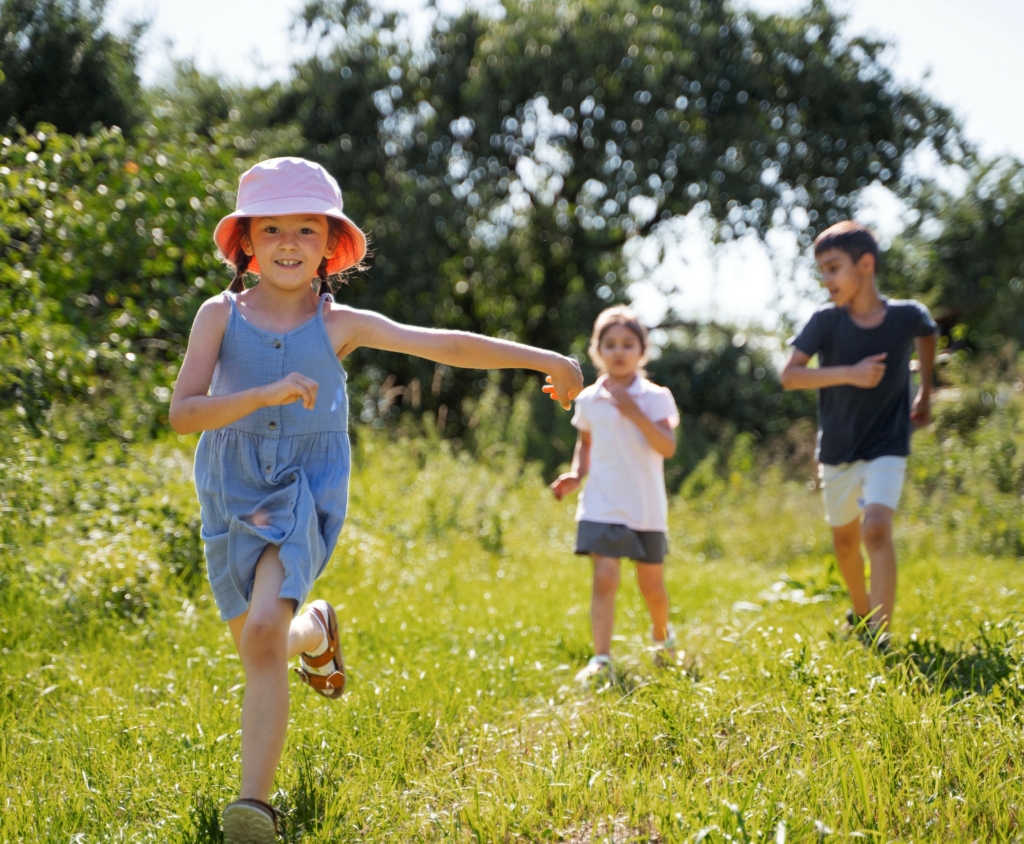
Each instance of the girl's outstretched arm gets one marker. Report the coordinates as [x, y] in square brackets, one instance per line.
[193, 410]
[456, 348]
[569, 482]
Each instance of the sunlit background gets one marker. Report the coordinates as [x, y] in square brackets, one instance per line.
[964, 54]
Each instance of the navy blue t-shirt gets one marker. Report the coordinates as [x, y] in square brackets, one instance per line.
[855, 423]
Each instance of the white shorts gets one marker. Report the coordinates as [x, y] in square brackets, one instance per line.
[850, 487]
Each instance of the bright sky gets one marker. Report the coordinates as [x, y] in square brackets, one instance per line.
[964, 54]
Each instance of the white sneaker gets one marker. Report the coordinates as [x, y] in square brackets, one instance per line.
[598, 668]
[665, 652]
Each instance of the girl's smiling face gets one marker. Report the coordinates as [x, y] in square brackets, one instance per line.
[289, 248]
[621, 351]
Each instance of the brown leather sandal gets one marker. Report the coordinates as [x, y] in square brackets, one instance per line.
[249, 821]
[329, 685]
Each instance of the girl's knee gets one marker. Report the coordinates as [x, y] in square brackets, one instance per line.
[606, 574]
[650, 579]
[264, 640]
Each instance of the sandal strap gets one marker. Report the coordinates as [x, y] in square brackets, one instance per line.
[325, 658]
[322, 682]
[328, 655]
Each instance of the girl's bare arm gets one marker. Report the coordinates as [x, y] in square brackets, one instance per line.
[570, 481]
[658, 434]
[581, 455]
[457, 348]
[193, 410]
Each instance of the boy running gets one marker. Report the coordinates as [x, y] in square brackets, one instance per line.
[863, 342]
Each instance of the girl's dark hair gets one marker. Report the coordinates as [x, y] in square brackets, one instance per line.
[617, 315]
[240, 260]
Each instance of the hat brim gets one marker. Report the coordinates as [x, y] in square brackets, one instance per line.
[349, 252]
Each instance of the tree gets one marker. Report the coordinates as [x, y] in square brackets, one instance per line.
[501, 170]
[963, 254]
[106, 253]
[61, 67]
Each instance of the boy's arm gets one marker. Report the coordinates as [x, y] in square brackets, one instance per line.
[798, 376]
[921, 412]
[570, 481]
[460, 348]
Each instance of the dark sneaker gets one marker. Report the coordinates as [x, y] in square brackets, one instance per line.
[250, 822]
[880, 642]
[860, 626]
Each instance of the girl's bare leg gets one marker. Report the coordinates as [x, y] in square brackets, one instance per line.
[602, 602]
[651, 578]
[265, 640]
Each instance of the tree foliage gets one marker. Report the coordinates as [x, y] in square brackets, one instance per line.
[60, 66]
[964, 255]
[502, 169]
[106, 252]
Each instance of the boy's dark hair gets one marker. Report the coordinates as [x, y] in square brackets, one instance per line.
[850, 237]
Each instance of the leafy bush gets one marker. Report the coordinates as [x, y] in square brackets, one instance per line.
[99, 533]
[106, 253]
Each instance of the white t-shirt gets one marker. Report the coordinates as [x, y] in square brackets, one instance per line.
[626, 484]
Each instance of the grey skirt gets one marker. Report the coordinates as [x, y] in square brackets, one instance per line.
[644, 546]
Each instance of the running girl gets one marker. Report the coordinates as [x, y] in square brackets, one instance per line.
[626, 431]
[262, 378]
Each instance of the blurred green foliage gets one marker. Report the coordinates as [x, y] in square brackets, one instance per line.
[500, 168]
[964, 254]
[724, 384]
[106, 252]
[61, 66]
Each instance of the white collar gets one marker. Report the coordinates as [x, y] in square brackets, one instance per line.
[637, 388]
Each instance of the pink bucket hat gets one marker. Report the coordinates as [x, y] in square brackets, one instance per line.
[282, 186]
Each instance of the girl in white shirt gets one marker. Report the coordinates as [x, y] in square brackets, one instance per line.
[625, 433]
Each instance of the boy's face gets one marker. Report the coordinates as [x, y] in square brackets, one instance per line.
[841, 276]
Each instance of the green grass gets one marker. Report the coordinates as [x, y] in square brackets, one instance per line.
[464, 617]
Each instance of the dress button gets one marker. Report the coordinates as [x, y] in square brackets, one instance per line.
[268, 468]
[273, 426]
[291, 478]
[277, 344]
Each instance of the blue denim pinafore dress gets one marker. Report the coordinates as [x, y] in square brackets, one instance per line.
[279, 475]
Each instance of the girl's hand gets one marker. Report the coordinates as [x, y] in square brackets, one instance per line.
[292, 387]
[565, 485]
[565, 382]
[623, 401]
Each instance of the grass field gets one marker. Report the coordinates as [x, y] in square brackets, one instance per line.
[464, 617]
